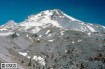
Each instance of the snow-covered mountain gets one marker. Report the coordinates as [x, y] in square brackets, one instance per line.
[53, 40]
[58, 18]
[52, 18]
[10, 25]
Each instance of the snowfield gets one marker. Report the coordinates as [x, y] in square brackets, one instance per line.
[6, 33]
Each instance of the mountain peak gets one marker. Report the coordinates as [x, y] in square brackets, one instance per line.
[57, 18]
[11, 22]
[51, 18]
[55, 12]
[54, 15]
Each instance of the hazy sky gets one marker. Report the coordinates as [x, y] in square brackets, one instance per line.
[85, 10]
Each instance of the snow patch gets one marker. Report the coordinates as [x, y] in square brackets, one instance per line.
[38, 39]
[40, 35]
[62, 32]
[27, 35]
[65, 51]
[89, 33]
[47, 31]
[28, 57]
[91, 28]
[73, 42]
[23, 54]
[3, 29]
[40, 60]
[103, 26]
[49, 35]
[51, 40]
[17, 34]
[6, 33]
[97, 26]
[79, 40]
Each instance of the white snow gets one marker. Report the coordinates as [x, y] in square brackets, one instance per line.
[27, 35]
[54, 48]
[30, 38]
[97, 26]
[43, 20]
[29, 57]
[6, 33]
[82, 23]
[47, 31]
[93, 30]
[65, 51]
[30, 24]
[89, 33]
[23, 53]
[104, 27]
[40, 35]
[71, 18]
[40, 60]
[79, 40]
[17, 34]
[90, 24]
[49, 35]
[51, 40]
[73, 42]
[62, 32]
[3, 29]
[38, 39]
